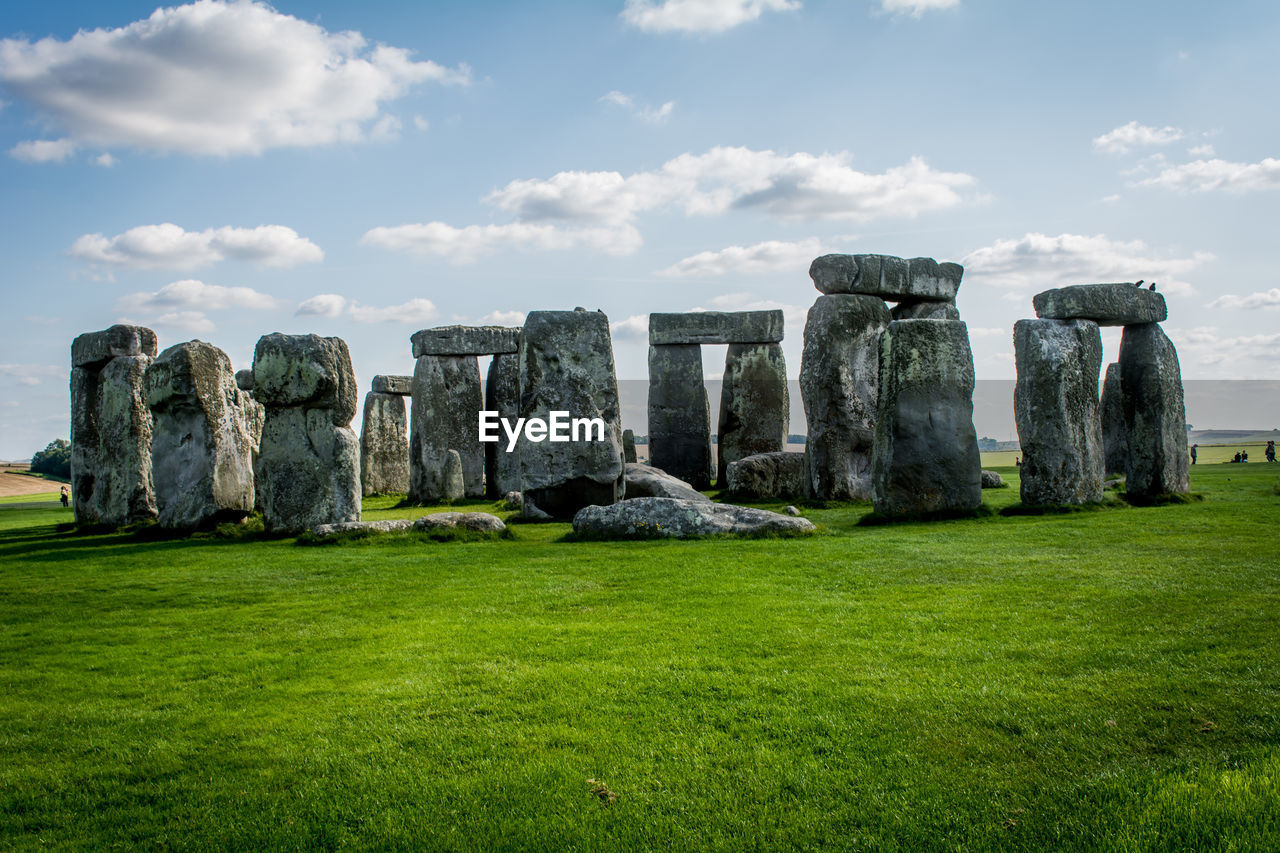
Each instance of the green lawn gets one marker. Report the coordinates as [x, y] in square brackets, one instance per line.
[1095, 680]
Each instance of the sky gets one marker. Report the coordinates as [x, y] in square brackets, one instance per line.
[223, 170]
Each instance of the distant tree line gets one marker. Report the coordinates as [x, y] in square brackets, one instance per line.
[54, 460]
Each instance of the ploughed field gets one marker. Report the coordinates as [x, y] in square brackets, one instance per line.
[1105, 679]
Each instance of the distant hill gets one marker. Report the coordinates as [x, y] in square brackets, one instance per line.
[1233, 436]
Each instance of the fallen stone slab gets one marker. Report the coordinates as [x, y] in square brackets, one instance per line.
[767, 476]
[480, 522]
[465, 340]
[1121, 304]
[645, 481]
[399, 385]
[97, 348]
[716, 327]
[670, 518]
[892, 278]
[396, 525]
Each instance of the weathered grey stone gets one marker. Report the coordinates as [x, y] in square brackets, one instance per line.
[308, 470]
[395, 525]
[384, 445]
[455, 484]
[465, 340]
[671, 518]
[201, 447]
[255, 415]
[716, 327]
[1055, 404]
[566, 365]
[305, 370]
[925, 311]
[992, 480]
[480, 522]
[244, 379]
[839, 381]
[892, 278]
[628, 446]
[1115, 440]
[645, 481]
[1154, 415]
[513, 500]
[925, 458]
[97, 348]
[399, 385]
[679, 414]
[754, 404]
[502, 395]
[111, 442]
[444, 416]
[767, 476]
[791, 510]
[1120, 304]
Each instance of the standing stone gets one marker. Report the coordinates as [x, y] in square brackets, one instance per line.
[502, 395]
[308, 466]
[679, 414]
[1154, 416]
[111, 426]
[201, 448]
[445, 415]
[839, 381]
[1115, 440]
[566, 365]
[455, 487]
[1055, 405]
[926, 450]
[628, 446]
[754, 405]
[384, 445]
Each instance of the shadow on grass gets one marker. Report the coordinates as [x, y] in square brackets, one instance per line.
[400, 537]
[1162, 500]
[1063, 509]
[875, 519]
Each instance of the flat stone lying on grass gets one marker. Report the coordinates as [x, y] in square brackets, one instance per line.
[767, 476]
[886, 276]
[390, 526]
[992, 480]
[465, 340]
[386, 384]
[1120, 304]
[645, 481]
[479, 522]
[716, 327]
[670, 518]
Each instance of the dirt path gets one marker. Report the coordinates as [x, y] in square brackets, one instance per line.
[20, 484]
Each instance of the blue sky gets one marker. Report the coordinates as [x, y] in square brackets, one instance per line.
[224, 170]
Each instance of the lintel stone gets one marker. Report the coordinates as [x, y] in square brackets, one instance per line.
[716, 327]
[1118, 304]
[119, 340]
[466, 340]
[386, 384]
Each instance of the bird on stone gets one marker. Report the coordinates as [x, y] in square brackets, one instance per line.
[1138, 283]
[1151, 286]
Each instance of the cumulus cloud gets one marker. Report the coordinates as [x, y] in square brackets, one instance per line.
[1210, 175]
[169, 246]
[31, 374]
[648, 115]
[212, 78]
[699, 16]
[915, 8]
[1134, 135]
[322, 305]
[502, 318]
[190, 293]
[195, 322]
[43, 150]
[1205, 150]
[769, 256]
[333, 305]
[467, 244]
[1038, 261]
[634, 328]
[1258, 299]
[1205, 345]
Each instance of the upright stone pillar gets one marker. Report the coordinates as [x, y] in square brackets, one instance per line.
[502, 395]
[111, 426]
[384, 437]
[840, 380]
[254, 417]
[1055, 406]
[202, 451]
[754, 405]
[1115, 439]
[926, 450]
[1154, 415]
[566, 365]
[309, 461]
[679, 414]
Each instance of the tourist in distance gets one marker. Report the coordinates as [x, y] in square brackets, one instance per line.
[1193, 453]
[1270, 452]
[66, 496]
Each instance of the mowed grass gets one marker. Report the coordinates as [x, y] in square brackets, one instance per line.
[1106, 679]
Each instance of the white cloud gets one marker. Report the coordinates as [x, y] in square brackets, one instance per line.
[1133, 135]
[699, 16]
[169, 246]
[915, 8]
[1203, 345]
[105, 160]
[1209, 175]
[1205, 150]
[43, 150]
[634, 328]
[1038, 262]
[649, 115]
[1258, 299]
[769, 256]
[333, 305]
[190, 293]
[502, 318]
[322, 305]
[988, 332]
[31, 374]
[213, 78]
[195, 322]
[467, 244]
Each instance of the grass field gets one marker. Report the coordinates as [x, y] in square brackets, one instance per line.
[1105, 679]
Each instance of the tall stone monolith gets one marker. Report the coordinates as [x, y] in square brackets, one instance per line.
[1055, 404]
[502, 395]
[679, 414]
[754, 405]
[1115, 438]
[1154, 414]
[384, 440]
[445, 411]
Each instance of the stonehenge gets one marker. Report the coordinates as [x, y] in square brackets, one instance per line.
[202, 444]
[755, 405]
[384, 437]
[679, 413]
[502, 395]
[308, 466]
[766, 476]
[1115, 439]
[1154, 416]
[111, 426]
